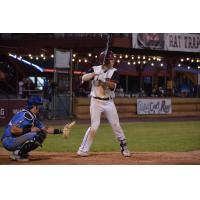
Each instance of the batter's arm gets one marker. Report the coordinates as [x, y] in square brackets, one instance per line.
[112, 82]
[87, 77]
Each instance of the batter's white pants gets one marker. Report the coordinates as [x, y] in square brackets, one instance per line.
[96, 108]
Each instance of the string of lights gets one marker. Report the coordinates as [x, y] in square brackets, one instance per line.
[130, 59]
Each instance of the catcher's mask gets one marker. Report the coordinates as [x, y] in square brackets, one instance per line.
[105, 58]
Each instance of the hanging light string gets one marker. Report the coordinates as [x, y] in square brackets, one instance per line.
[126, 58]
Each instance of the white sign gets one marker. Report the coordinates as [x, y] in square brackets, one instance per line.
[182, 42]
[154, 106]
[167, 41]
[62, 59]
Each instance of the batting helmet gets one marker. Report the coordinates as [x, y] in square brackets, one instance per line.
[34, 101]
[105, 58]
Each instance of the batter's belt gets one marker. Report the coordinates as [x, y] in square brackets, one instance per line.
[104, 99]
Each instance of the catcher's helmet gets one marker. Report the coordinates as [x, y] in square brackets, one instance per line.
[34, 101]
[105, 58]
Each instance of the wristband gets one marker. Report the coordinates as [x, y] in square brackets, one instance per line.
[57, 131]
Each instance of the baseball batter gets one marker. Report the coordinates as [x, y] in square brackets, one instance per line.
[104, 81]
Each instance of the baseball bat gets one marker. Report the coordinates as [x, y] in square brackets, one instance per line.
[107, 47]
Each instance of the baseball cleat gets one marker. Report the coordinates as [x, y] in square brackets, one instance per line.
[124, 149]
[82, 153]
[16, 157]
[126, 153]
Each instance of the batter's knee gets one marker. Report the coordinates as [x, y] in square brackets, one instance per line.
[116, 126]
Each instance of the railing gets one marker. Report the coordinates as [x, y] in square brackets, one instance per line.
[16, 36]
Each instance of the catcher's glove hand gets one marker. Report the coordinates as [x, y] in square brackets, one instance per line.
[67, 129]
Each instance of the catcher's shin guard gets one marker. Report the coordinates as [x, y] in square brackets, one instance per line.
[32, 144]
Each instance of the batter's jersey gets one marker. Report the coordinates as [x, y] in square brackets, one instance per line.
[110, 75]
[22, 119]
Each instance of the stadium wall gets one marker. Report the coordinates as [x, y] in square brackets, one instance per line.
[127, 108]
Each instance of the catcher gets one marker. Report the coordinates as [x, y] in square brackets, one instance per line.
[25, 132]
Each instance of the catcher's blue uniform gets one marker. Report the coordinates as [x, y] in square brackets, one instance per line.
[22, 119]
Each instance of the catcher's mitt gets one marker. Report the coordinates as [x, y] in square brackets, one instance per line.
[67, 129]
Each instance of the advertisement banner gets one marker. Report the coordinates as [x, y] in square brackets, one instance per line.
[154, 106]
[182, 42]
[153, 41]
[10, 107]
[167, 41]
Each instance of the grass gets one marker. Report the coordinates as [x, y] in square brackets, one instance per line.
[141, 136]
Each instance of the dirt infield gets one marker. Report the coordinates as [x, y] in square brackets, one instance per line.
[106, 158]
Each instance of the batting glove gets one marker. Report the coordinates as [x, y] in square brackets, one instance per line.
[101, 78]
